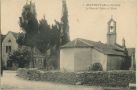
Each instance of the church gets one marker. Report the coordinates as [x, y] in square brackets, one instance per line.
[79, 54]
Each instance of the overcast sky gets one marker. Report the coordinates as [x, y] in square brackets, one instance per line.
[84, 23]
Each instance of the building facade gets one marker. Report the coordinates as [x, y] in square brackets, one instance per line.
[79, 54]
[9, 45]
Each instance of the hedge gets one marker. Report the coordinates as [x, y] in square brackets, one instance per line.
[96, 78]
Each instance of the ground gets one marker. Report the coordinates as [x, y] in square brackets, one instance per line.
[10, 81]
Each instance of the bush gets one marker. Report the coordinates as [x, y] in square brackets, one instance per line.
[95, 67]
[96, 78]
[20, 57]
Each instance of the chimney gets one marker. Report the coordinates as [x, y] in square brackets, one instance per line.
[123, 42]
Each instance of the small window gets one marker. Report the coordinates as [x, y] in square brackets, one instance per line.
[8, 49]
[9, 40]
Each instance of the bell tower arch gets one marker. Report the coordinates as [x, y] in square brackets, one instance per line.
[111, 34]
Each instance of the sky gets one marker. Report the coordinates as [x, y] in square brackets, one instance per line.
[84, 20]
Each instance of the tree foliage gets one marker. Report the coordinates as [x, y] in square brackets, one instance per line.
[39, 34]
[65, 23]
[43, 35]
[21, 57]
[96, 67]
[29, 24]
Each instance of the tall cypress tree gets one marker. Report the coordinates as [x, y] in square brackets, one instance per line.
[29, 24]
[43, 35]
[65, 24]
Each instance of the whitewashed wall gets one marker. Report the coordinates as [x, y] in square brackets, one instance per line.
[83, 59]
[67, 59]
[13, 44]
[79, 59]
[98, 57]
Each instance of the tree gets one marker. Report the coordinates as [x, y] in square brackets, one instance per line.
[40, 34]
[59, 35]
[20, 39]
[54, 34]
[43, 39]
[21, 58]
[29, 24]
[64, 20]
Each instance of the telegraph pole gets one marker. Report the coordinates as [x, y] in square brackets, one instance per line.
[0, 47]
[0, 39]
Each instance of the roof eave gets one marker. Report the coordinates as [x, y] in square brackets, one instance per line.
[76, 47]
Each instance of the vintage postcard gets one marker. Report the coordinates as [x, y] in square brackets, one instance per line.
[68, 44]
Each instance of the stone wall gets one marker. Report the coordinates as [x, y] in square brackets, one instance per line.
[109, 79]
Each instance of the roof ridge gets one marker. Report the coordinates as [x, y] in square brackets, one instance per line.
[103, 48]
[84, 42]
[15, 34]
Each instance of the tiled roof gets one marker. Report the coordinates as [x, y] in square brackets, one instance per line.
[78, 43]
[103, 48]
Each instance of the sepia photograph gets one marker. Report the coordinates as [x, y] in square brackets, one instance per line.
[68, 44]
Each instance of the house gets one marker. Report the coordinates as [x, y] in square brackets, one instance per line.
[79, 54]
[9, 45]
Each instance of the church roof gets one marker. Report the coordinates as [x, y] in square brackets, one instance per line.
[101, 47]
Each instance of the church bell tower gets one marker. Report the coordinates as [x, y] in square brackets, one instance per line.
[111, 34]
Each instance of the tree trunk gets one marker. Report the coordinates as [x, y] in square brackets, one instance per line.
[32, 59]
